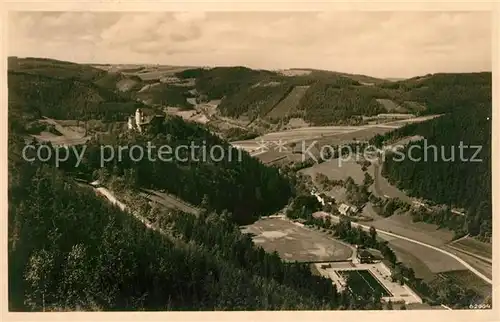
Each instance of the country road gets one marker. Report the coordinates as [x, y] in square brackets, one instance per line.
[458, 259]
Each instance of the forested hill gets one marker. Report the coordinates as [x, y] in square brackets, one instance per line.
[444, 92]
[443, 177]
[230, 180]
[71, 250]
[227, 179]
[63, 90]
[331, 97]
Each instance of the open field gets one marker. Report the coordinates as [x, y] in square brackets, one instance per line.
[383, 188]
[361, 133]
[296, 243]
[402, 224]
[296, 122]
[484, 267]
[65, 131]
[194, 115]
[318, 136]
[337, 169]
[295, 72]
[289, 103]
[471, 254]
[339, 193]
[474, 246]
[157, 72]
[70, 135]
[272, 156]
[405, 256]
[169, 201]
[465, 277]
[390, 106]
[126, 84]
[413, 120]
[306, 133]
[59, 140]
[93, 126]
[433, 259]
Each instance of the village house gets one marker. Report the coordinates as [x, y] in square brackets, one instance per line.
[347, 210]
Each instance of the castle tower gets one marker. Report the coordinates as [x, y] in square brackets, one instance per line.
[138, 116]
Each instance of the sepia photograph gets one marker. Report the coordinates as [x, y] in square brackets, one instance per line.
[206, 160]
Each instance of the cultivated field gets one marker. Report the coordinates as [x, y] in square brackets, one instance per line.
[169, 201]
[154, 73]
[360, 133]
[319, 136]
[289, 103]
[307, 133]
[188, 115]
[481, 265]
[465, 277]
[475, 246]
[295, 72]
[390, 106]
[296, 243]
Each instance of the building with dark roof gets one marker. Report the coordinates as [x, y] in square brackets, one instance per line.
[364, 256]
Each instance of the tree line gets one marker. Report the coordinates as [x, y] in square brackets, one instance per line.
[71, 250]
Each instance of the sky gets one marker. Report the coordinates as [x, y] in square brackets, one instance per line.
[380, 44]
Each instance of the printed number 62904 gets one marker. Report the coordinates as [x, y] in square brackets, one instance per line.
[479, 306]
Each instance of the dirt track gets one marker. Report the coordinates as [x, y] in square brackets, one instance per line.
[296, 243]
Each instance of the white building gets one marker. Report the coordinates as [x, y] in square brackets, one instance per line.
[141, 119]
[347, 210]
[344, 209]
[320, 199]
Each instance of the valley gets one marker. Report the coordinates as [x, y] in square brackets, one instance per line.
[274, 220]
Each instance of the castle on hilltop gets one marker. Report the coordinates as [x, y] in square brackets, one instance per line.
[143, 118]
